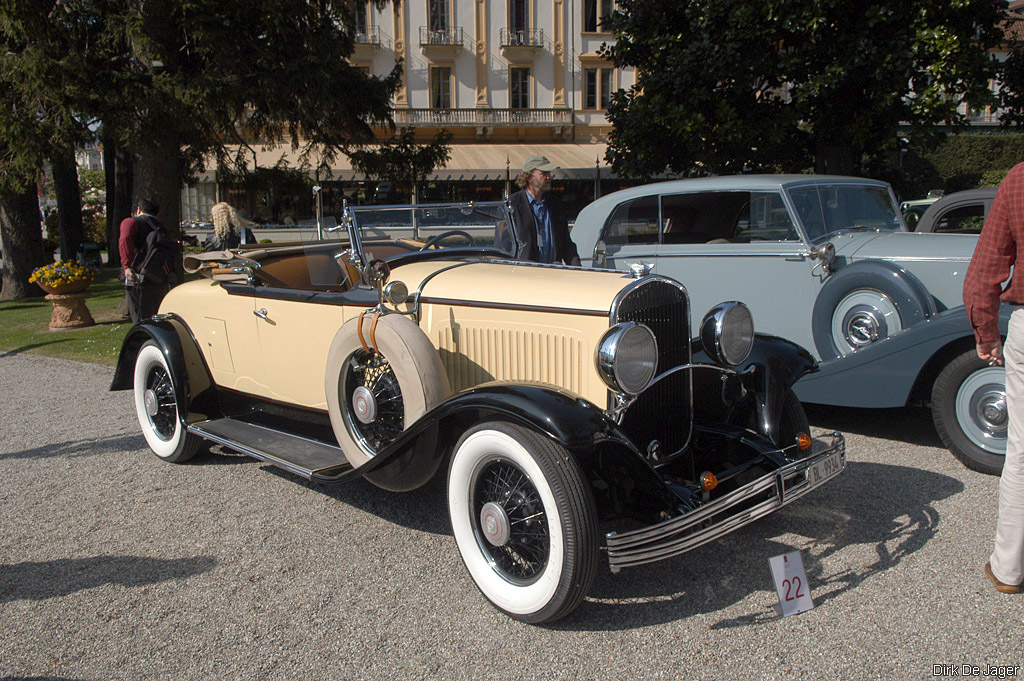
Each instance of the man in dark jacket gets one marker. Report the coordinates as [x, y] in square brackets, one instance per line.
[540, 226]
[143, 296]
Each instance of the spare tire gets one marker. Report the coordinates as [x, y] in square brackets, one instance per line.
[375, 392]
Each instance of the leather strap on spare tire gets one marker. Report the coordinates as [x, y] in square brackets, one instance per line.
[413, 363]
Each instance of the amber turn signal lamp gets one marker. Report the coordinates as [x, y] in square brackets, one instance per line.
[708, 481]
[803, 441]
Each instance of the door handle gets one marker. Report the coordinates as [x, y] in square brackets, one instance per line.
[261, 313]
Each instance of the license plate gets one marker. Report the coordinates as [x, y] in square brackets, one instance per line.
[822, 470]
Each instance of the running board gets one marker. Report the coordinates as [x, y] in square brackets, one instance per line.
[307, 458]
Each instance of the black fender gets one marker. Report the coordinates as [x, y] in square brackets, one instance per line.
[606, 454]
[193, 384]
[899, 370]
[907, 292]
[773, 366]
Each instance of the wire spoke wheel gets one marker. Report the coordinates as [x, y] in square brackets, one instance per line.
[512, 525]
[161, 415]
[160, 403]
[377, 414]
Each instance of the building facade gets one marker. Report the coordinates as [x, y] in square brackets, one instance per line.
[508, 78]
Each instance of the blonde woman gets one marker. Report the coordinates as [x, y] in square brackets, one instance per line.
[229, 229]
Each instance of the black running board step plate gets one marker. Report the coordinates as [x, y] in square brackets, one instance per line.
[293, 453]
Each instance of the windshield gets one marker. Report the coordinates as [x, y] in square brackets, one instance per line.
[825, 209]
[438, 226]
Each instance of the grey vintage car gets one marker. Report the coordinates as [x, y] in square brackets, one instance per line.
[828, 263]
[958, 213]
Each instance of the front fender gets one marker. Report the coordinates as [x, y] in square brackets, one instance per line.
[772, 368]
[885, 374]
[193, 386]
[603, 450]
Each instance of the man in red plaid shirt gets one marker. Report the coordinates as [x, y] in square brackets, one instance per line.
[1000, 250]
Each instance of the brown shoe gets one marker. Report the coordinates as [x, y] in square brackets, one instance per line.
[1000, 586]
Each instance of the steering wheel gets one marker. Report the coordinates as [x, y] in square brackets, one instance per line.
[432, 241]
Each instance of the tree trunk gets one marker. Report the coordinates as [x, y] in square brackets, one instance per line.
[21, 241]
[122, 207]
[836, 159]
[109, 189]
[156, 177]
[69, 203]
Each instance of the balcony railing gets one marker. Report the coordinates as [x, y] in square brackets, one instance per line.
[369, 36]
[449, 36]
[465, 118]
[533, 37]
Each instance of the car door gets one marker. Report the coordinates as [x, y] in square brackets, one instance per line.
[740, 245]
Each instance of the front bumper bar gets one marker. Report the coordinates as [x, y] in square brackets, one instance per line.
[682, 533]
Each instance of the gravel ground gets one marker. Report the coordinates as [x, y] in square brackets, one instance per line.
[116, 565]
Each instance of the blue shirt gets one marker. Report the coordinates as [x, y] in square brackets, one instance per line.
[545, 234]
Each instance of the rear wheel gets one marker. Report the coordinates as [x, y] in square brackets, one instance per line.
[970, 414]
[524, 521]
[156, 405]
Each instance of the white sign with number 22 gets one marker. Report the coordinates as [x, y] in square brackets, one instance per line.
[791, 583]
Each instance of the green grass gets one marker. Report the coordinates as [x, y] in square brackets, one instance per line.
[24, 326]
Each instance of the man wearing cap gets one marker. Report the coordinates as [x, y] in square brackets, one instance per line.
[540, 226]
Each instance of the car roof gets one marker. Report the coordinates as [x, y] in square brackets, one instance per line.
[727, 183]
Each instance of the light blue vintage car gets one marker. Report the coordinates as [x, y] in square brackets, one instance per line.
[828, 263]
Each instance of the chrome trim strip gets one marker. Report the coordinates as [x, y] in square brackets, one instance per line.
[513, 306]
[683, 533]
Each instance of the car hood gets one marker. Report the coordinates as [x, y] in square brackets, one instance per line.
[509, 283]
[904, 245]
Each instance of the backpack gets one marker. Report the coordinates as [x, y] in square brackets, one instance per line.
[160, 255]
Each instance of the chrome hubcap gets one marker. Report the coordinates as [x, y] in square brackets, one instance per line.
[495, 524]
[364, 405]
[152, 403]
[863, 326]
[991, 410]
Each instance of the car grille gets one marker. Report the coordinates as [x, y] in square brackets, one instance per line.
[663, 413]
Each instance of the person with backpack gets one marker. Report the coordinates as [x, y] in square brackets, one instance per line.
[148, 255]
[230, 229]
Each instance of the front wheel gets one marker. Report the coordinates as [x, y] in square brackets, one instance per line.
[524, 521]
[970, 414]
[156, 405]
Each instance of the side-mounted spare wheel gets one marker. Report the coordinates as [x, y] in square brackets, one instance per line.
[161, 417]
[524, 521]
[865, 303]
[379, 385]
[970, 413]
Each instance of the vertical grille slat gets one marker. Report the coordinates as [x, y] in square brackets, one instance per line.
[664, 411]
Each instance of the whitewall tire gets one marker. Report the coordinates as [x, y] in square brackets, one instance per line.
[524, 521]
[156, 405]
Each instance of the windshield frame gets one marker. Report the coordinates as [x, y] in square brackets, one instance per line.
[818, 185]
[499, 211]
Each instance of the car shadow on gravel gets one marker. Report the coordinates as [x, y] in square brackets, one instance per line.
[37, 581]
[74, 448]
[883, 511]
[912, 425]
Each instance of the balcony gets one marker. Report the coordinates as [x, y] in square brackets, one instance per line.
[520, 44]
[440, 44]
[560, 121]
[367, 43]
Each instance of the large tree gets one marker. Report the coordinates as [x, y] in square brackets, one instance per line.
[735, 85]
[176, 82]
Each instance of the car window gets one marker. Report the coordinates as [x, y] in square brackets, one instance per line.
[714, 217]
[825, 208]
[962, 220]
[633, 222]
[765, 219]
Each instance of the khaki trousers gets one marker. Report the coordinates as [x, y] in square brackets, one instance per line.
[1008, 557]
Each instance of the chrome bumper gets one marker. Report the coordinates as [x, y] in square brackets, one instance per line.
[682, 533]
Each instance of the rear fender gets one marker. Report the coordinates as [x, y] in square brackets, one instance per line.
[193, 385]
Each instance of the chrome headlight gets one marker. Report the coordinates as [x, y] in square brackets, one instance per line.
[727, 333]
[627, 357]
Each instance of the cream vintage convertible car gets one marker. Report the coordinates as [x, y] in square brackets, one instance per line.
[559, 400]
